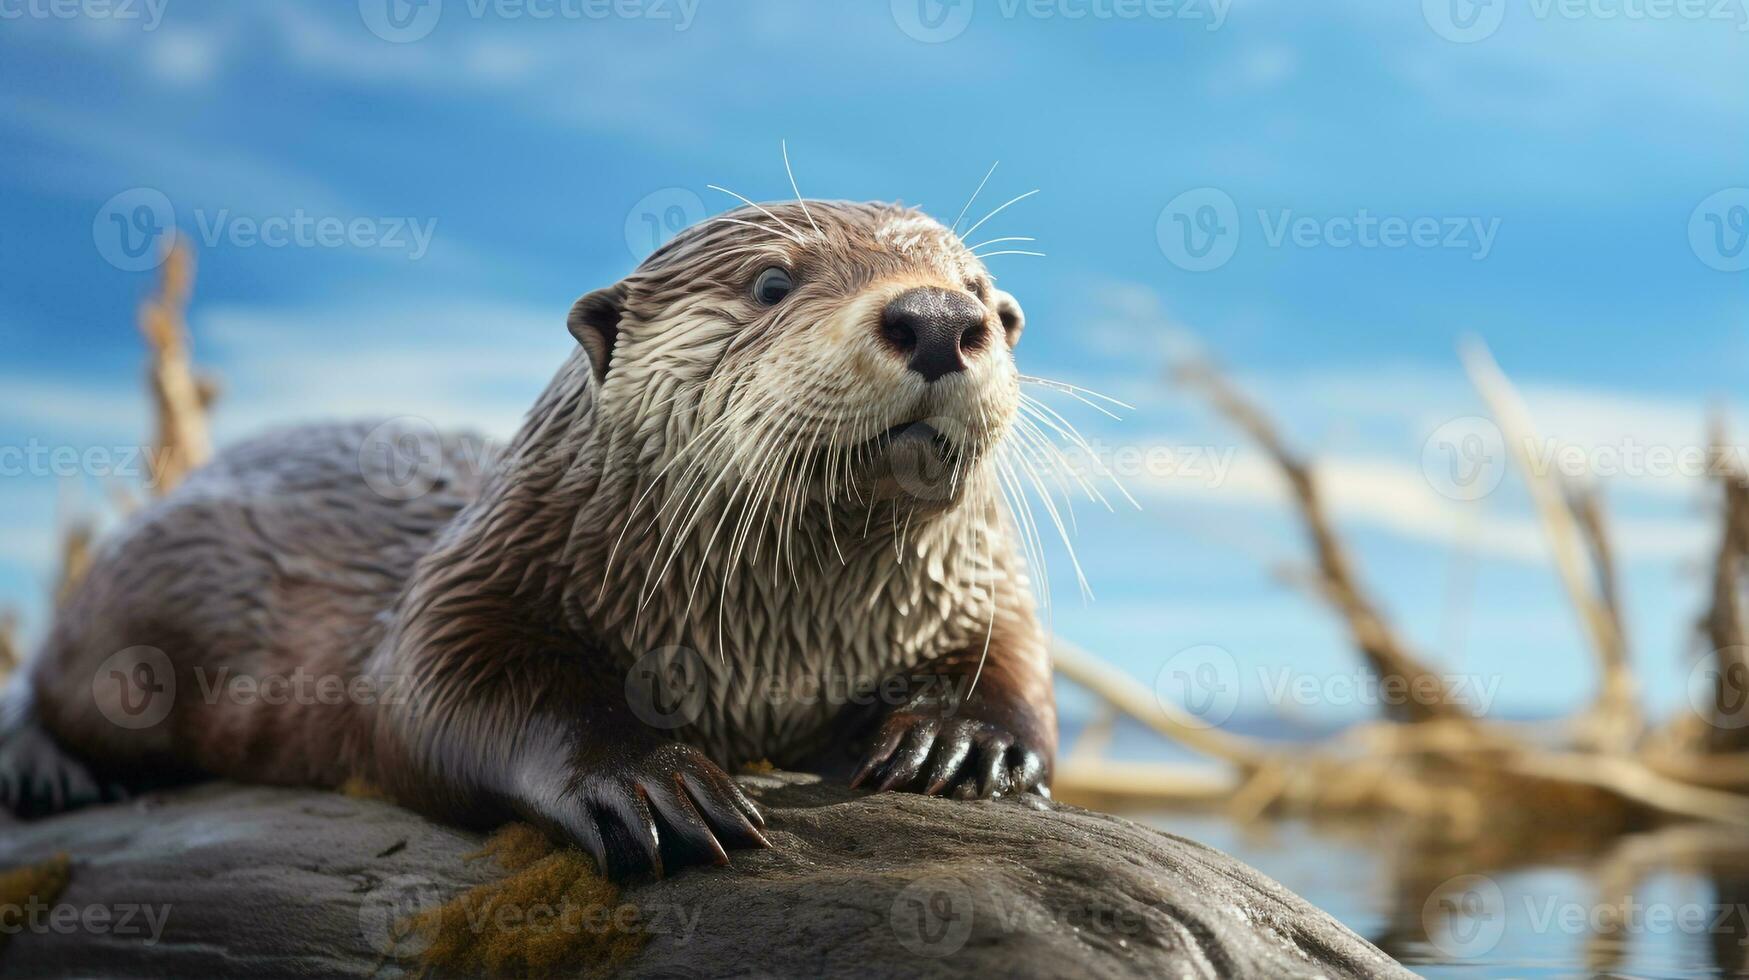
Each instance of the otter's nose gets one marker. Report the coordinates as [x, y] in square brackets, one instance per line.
[934, 329]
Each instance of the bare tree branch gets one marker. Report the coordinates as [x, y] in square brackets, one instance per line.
[1386, 654]
[180, 395]
[1589, 579]
[1723, 621]
[10, 657]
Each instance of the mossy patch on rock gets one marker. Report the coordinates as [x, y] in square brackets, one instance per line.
[32, 886]
[552, 912]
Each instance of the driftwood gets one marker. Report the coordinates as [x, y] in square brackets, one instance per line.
[9, 654]
[1573, 522]
[1433, 760]
[1333, 578]
[1723, 623]
[181, 396]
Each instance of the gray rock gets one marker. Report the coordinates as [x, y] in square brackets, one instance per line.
[253, 881]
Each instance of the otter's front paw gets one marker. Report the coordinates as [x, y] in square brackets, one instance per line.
[643, 812]
[961, 757]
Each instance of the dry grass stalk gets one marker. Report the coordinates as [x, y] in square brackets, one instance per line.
[181, 396]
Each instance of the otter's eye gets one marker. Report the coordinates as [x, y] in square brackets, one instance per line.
[772, 286]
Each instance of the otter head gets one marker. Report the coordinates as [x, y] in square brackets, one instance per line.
[788, 353]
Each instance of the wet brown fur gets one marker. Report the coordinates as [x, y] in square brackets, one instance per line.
[487, 610]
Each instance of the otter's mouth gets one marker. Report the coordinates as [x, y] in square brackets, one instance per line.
[916, 436]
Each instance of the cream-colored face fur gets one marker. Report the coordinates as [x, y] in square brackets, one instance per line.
[743, 493]
[796, 401]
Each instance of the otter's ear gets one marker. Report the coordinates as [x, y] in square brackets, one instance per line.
[594, 322]
[1013, 320]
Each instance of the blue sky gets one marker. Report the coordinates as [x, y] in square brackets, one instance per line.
[1570, 156]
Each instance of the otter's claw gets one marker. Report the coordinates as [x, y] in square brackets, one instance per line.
[961, 757]
[646, 814]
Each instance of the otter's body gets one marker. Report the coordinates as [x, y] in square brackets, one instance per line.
[740, 524]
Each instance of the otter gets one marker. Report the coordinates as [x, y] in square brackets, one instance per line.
[756, 516]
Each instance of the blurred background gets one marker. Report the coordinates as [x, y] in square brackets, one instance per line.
[392, 203]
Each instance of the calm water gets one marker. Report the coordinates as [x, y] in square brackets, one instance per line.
[1539, 920]
[1666, 903]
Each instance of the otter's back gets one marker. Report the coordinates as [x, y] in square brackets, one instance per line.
[280, 555]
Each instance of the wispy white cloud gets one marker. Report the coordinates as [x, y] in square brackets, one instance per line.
[1365, 427]
[1397, 498]
[468, 365]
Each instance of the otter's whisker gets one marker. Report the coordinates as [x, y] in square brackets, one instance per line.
[784, 146]
[999, 210]
[997, 241]
[1032, 543]
[989, 627]
[1063, 533]
[655, 481]
[1009, 251]
[681, 529]
[1053, 457]
[756, 227]
[962, 215]
[832, 455]
[1051, 461]
[1065, 386]
[1067, 429]
[692, 593]
[795, 236]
